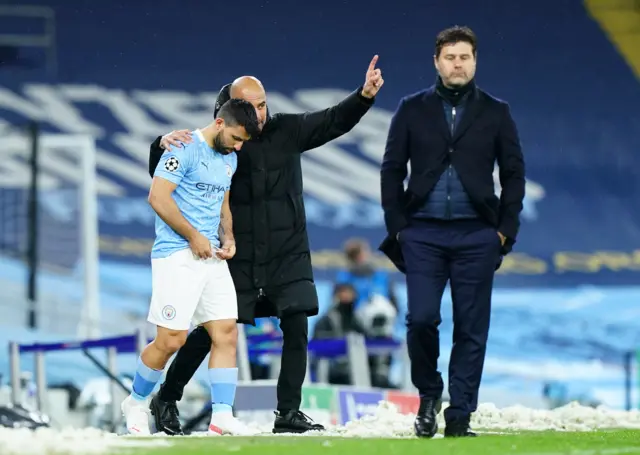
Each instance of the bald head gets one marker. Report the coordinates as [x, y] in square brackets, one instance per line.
[246, 85]
[250, 89]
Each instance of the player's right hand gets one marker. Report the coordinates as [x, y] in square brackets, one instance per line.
[175, 138]
[201, 246]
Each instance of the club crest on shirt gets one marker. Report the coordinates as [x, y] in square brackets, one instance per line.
[229, 170]
[168, 312]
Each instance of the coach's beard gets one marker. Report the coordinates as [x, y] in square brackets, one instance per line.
[219, 146]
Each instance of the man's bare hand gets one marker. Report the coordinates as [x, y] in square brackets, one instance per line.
[373, 80]
[175, 138]
[502, 238]
[227, 250]
[201, 246]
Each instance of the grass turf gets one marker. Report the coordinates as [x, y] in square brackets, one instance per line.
[531, 443]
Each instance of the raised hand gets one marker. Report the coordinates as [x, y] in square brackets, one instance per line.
[373, 79]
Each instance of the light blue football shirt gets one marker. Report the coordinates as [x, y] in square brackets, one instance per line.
[202, 176]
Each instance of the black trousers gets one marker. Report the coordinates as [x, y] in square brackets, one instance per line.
[294, 328]
[465, 254]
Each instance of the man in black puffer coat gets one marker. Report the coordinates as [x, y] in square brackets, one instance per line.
[272, 269]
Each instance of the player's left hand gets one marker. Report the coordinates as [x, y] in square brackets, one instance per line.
[373, 80]
[227, 250]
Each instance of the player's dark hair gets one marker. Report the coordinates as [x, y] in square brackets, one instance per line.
[453, 35]
[238, 112]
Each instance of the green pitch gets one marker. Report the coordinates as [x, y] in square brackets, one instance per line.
[532, 443]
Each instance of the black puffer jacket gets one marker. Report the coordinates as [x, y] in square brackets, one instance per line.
[269, 223]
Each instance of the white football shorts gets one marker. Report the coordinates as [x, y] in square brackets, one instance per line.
[188, 290]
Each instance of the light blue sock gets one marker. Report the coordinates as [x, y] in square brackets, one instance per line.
[223, 388]
[144, 381]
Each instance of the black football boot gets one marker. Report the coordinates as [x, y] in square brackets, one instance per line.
[166, 416]
[294, 422]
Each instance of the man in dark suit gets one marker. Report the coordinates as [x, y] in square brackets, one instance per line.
[448, 225]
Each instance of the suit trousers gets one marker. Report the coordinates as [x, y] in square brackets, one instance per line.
[463, 253]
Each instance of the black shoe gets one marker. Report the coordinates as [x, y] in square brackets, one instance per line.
[294, 422]
[166, 416]
[426, 423]
[458, 429]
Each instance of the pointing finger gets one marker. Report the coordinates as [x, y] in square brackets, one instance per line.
[372, 65]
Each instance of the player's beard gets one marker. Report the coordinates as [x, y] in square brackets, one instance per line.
[219, 146]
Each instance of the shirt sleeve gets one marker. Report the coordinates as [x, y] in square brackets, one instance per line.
[175, 163]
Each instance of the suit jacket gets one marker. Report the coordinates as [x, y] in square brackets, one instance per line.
[419, 135]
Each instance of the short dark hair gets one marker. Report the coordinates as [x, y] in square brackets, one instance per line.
[238, 112]
[456, 34]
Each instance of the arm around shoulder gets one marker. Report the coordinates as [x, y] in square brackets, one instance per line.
[155, 152]
[175, 138]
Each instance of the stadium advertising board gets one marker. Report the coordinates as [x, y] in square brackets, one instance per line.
[355, 404]
[407, 403]
[320, 404]
[256, 403]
